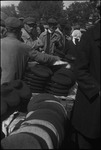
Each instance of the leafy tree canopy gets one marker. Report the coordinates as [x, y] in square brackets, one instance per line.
[77, 12]
[41, 9]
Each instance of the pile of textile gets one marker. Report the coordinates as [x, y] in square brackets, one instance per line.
[61, 82]
[36, 77]
[42, 128]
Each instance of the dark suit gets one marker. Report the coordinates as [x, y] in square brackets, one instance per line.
[86, 113]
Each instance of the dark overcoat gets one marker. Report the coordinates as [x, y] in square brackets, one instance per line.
[86, 112]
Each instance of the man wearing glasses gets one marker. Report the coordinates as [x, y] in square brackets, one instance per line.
[29, 33]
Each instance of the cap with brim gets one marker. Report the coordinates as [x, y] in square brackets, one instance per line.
[52, 21]
[29, 20]
[13, 22]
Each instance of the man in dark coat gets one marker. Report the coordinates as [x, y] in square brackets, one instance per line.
[86, 113]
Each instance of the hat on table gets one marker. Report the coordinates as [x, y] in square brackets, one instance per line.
[61, 79]
[41, 71]
[3, 107]
[42, 97]
[20, 141]
[57, 86]
[62, 91]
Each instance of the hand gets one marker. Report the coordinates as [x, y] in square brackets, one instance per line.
[68, 66]
[59, 62]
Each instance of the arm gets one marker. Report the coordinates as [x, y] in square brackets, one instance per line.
[43, 57]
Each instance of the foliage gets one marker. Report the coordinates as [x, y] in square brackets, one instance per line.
[10, 10]
[80, 12]
[41, 9]
[77, 12]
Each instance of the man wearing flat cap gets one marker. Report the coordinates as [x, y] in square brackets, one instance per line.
[52, 39]
[29, 33]
[15, 54]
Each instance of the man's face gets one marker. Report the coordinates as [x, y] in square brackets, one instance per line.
[52, 28]
[30, 27]
[2, 31]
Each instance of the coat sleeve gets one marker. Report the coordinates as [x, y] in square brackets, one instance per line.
[86, 82]
[43, 58]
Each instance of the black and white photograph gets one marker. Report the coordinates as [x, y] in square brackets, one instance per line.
[50, 74]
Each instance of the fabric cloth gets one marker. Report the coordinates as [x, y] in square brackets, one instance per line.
[29, 41]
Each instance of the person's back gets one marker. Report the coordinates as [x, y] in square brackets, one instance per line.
[13, 59]
[14, 54]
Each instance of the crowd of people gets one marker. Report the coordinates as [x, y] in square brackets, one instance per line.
[77, 51]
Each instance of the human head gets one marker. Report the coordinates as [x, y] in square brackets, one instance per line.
[13, 25]
[40, 29]
[29, 24]
[76, 34]
[52, 24]
[2, 28]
